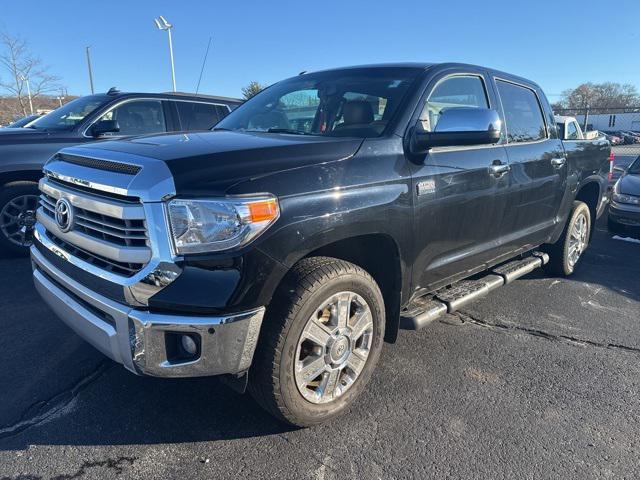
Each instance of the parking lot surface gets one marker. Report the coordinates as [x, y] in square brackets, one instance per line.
[539, 380]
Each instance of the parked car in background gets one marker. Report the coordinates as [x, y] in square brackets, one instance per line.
[624, 210]
[625, 137]
[613, 140]
[23, 151]
[326, 212]
[634, 135]
[24, 121]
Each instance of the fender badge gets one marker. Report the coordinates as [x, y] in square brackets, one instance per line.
[426, 186]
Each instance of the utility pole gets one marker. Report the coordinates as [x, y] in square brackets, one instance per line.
[162, 24]
[90, 71]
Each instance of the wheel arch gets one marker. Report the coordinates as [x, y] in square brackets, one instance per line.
[20, 176]
[379, 255]
[590, 193]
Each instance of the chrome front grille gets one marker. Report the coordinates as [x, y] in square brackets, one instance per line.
[107, 232]
[121, 231]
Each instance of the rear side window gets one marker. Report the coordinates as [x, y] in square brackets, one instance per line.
[523, 116]
[458, 91]
[197, 116]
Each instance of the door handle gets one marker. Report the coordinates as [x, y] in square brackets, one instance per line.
[558, 162]
[499, 169]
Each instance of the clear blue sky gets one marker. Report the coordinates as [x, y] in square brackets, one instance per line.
[559, 44]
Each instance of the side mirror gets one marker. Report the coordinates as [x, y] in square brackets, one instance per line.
[459, 126]
[104, 126]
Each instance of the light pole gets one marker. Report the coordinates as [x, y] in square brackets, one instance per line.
[26, 79]
[162, 24]
[89, 67]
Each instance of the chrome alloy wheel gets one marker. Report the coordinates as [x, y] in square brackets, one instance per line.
[578, 239]
[17, 218]
[333, 347]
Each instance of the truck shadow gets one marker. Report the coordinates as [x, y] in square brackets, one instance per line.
[119, 408]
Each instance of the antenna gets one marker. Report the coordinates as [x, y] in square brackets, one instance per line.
[204, 60]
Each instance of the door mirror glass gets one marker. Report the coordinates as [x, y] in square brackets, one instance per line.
[103, 127]
[458, 126]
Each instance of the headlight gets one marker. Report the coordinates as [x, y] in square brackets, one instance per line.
[624, 198]
[212, 225]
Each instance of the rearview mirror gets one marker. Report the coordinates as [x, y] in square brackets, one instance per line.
[104, 126]
[459, 126]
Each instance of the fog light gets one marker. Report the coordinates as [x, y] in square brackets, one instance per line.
[189, 344]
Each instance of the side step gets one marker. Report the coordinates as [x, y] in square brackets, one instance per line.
[424, 310]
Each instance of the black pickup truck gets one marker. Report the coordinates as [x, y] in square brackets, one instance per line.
[23, 151]
[281, 249]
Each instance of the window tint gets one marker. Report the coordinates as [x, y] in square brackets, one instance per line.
[138, 117]
[459, 91]
[197, 116]
[572, 131]
[356, 102]
[523, 117]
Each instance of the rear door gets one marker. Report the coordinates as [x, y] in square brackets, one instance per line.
[459, 200]
[538, 167]
[197, 115]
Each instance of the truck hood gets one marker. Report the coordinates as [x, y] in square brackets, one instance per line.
[211, 162]
[629, 184]
[16, 135]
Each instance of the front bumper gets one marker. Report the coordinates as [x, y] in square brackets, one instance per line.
[624, 214]
[141, 340]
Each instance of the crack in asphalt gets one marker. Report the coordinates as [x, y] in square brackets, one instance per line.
[45, 410]
[568, 339]
[117, 466]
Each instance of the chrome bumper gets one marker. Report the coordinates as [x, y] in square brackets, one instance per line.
[138, 338]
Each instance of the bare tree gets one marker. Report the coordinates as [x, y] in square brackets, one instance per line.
[600, 95]
[20, 66]
[252, 89]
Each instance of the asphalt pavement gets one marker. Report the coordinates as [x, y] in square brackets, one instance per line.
[539, 380]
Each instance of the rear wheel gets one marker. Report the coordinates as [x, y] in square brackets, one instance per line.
[566, 253]
[18, 204]
[320, 342]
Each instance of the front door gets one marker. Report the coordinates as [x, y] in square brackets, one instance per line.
[459, 199]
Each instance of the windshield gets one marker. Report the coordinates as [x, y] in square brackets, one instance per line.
[635, 166]
[69, 115]
[350, 102]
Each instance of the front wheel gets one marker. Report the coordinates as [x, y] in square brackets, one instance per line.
[566, 253]
[18, 205]
[321, 340]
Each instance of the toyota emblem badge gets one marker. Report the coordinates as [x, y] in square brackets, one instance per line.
[64, 215]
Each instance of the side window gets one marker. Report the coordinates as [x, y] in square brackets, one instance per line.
[222, 110]
[523, 116]
[197, 116]
[572, 131]
[458, 91]
[138, 117]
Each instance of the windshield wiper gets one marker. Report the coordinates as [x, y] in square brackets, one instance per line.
[220, 129]
[288, 130]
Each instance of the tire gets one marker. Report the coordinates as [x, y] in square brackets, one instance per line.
[562, 257]
[18, 202]
[276, 378]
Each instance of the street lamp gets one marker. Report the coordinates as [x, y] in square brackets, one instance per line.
[26, 79]
[162, 24]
